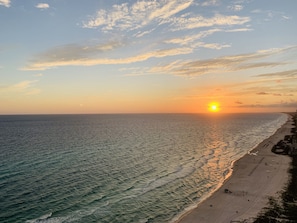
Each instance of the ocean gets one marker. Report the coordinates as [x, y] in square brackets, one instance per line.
[121, 168]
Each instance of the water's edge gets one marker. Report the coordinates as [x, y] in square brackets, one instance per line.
[189, 209]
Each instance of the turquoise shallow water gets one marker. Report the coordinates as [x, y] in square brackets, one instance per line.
[119, 168]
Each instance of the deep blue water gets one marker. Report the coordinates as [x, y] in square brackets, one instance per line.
[119, 168]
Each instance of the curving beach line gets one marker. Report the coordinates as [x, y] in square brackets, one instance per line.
[256, 177]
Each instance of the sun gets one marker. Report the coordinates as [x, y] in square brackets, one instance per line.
[214, 107]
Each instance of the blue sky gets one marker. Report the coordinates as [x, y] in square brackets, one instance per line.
[65, 56]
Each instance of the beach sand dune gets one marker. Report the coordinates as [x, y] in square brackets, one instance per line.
[256, 176]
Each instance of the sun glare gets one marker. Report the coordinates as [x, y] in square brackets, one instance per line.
[214, 107]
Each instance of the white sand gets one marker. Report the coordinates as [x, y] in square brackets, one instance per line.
[254, 179]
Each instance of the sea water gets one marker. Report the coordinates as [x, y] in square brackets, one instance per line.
[119, 168]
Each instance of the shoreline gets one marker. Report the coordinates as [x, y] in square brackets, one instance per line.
[254, 178]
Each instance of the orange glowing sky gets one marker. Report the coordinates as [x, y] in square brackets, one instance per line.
[147, 56]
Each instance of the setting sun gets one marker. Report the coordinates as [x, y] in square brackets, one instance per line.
[214, 107]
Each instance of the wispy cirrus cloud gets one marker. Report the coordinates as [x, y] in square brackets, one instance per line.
[186, 23]
[71, 54]
[78, 51]
[26, 87]
[144, 13]
[222, 64]
[190, 39]
[215, 46]
[137, 15]
[143, 33]
[274, 94]
[210, 3]
[51, 61]
[238, 30]
[5, 3]
[235, 7]
[282, 74]
[282, 104]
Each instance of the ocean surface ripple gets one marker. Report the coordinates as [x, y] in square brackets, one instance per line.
[119, 168]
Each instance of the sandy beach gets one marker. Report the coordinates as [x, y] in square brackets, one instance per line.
[256, 176]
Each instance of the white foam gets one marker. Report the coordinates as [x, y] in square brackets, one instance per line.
[41, 218]
[48, 220]
[182, 172]
[71, 217]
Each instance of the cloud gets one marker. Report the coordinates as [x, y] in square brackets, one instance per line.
[42, 6]
[215, 46]
[287, 104]
[270, 14]
[281, 74]
[5, 3]
[51, 60]
[22, 85]
[71, 54]
[142, 18]
[262, 93]
[286, 17]
[200, 21]
[78, 51]
[221, 64]
[139, 14]
[143, 13]
[259, 65]
[238, 30]
[235, 8]
[263, 87]
[26, 87]
[210, 3]
[189, 39]
[141, 34]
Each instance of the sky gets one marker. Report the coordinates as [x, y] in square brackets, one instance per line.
[153, 56]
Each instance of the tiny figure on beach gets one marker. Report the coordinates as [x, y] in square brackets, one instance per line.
[227, 191]
[254, 154]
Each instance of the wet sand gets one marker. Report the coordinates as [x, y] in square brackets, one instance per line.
[255, 178]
